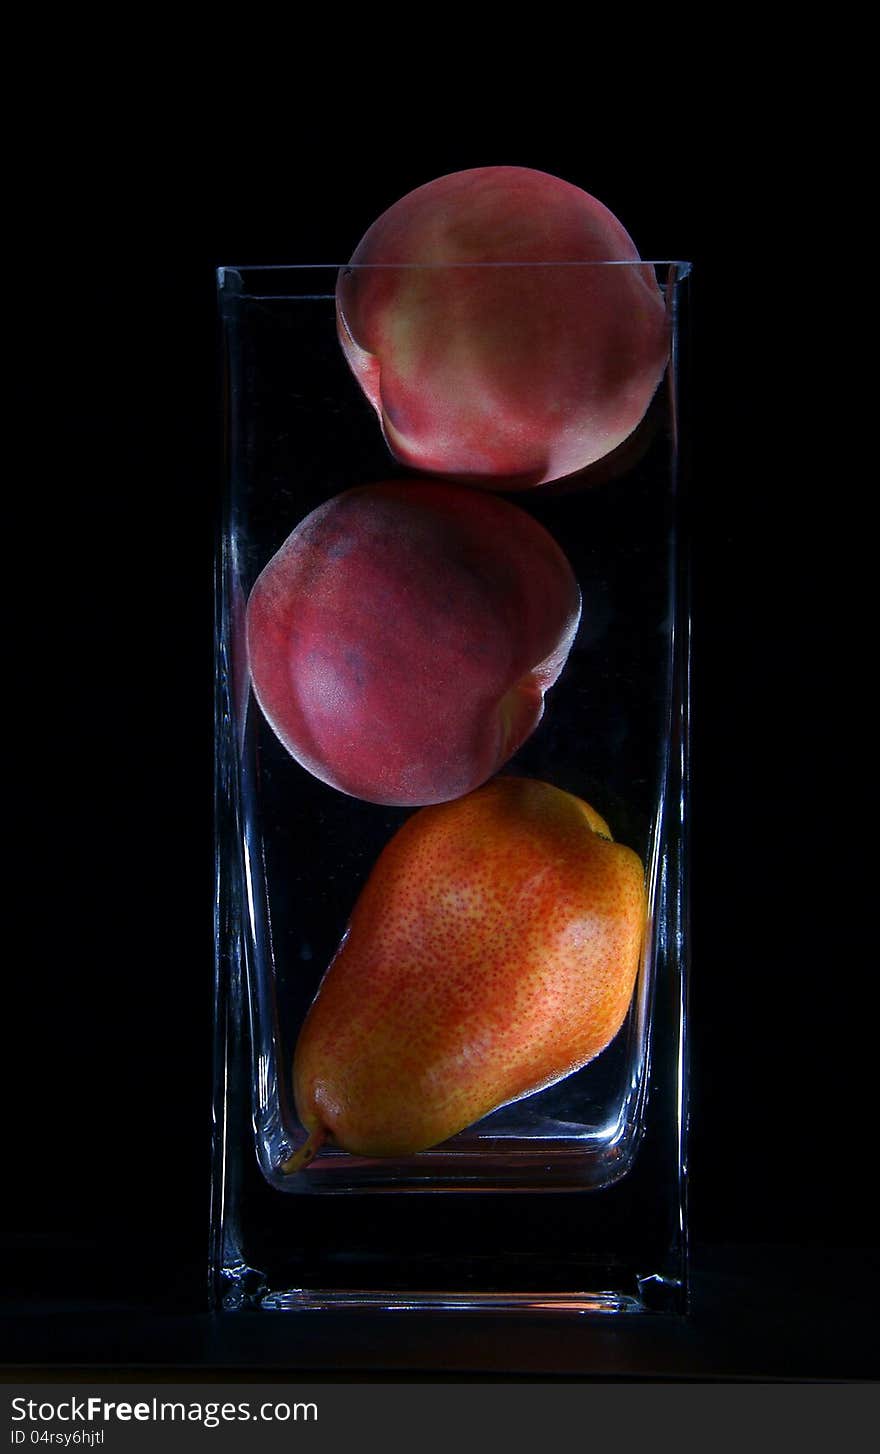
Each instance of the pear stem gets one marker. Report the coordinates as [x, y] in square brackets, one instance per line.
[305, 1154]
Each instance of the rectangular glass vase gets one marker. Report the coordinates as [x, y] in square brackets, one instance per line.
[571, 1199]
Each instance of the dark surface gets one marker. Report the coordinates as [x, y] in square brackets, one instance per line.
[116, 413]
[758, 1313]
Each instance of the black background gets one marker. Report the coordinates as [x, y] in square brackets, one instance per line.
[116, 437]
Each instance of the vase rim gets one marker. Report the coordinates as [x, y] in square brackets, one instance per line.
[683, 266]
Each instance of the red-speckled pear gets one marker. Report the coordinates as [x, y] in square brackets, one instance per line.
[509, 376]
[493, 950]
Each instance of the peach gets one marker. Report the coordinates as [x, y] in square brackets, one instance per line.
[510, 376]
[403, 637]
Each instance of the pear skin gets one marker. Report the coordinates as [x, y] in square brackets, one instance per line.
[493, 950]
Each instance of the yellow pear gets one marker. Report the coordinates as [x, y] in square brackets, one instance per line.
[493, 950]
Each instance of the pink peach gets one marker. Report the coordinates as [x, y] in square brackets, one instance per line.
[502, 376]
[403, 637]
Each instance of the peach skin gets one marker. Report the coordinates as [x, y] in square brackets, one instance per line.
[505, 376]
[403, 637]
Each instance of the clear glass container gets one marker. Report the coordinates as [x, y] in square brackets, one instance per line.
[572, 1198]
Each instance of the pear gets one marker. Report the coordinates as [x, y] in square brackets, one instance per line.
[493, 950]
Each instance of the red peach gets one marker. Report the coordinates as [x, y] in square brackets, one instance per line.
[507, 376]
[401, 640]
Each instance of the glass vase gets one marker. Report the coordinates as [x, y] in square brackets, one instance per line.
[570, 1199]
